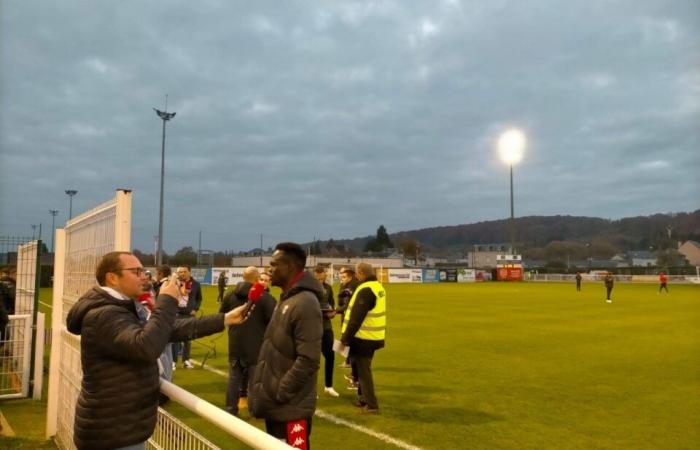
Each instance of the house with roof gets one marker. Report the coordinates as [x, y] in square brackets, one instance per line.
[691, 251]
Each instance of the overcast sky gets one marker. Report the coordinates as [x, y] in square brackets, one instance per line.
[326, 119]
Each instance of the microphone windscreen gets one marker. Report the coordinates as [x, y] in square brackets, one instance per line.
[256, 291]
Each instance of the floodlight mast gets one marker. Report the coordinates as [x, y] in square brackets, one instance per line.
[511, 146]
[70, 193]
[53, 213]
[165, 116]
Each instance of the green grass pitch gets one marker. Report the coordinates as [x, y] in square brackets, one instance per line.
[506, 366]
[521, 365]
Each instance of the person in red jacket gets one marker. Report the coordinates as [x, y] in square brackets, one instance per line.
[663, 280]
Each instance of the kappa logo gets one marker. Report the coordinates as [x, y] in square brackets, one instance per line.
[298, 442]
[297, 428]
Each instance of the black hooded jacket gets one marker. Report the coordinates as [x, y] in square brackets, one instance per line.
[118, 400]
[244, 340]
[284, 383]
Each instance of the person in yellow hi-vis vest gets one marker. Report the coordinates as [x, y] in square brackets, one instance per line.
[363, 330]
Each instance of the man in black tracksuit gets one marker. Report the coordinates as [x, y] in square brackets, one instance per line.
[244, 340]
[609, 281]
[222, 281]
[328, 311]
[348, 284]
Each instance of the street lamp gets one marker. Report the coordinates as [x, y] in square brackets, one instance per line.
[165, 116]
[511, 146]
[70, 193]
[53, 213]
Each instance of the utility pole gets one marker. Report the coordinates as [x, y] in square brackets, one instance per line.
[261, 251]
[199, 249]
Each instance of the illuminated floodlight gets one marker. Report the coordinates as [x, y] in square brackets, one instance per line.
[511, 146]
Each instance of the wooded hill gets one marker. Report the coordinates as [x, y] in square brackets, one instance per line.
[604, 236]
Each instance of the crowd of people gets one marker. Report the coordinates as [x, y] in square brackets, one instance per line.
[128, 321]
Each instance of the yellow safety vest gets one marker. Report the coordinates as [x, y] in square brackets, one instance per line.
[374, 325]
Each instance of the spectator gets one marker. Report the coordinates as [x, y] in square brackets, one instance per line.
[118, 400]
[244, 340]
[283, 391]
[189, 302]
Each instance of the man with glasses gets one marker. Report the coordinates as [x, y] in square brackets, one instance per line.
[118, 401]
[189, 301]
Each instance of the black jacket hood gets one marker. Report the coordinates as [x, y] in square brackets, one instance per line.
[307, 282]
[94, 298]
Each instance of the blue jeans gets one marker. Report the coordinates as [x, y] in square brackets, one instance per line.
[185, 346]
[235, 376]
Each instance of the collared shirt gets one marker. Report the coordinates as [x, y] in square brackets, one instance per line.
[114, 293]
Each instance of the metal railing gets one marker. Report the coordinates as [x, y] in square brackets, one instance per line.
[15, 355]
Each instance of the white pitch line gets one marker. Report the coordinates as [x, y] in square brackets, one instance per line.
[337, 420]
[47, 305]
[211, 369]
[381, 436]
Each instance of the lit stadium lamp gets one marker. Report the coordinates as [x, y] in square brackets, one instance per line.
[511, 146]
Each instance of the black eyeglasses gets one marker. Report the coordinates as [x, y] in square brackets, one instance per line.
[135, 270]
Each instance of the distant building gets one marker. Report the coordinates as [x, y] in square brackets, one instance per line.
[483, 256]
[691, 251]
[642, 259]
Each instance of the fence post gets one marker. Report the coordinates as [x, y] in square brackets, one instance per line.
[56, 327]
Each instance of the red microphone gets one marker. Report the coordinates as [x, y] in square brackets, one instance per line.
[256, 291]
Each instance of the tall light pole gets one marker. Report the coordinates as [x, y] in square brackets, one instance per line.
[53, 213]
[70, 193]
[165, 116]
[33, 231]
[511, 146]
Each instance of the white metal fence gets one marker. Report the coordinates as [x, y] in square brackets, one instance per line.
[78, 248]
[15, 354]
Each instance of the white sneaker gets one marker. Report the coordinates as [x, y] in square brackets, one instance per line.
[174, 366]
[608, 301]
[187, 364]
[330, 391]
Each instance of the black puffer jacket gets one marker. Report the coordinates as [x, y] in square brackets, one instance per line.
[118, 399]
[284, 383]
[244, 340]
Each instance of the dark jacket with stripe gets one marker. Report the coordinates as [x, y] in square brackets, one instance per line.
[284, 383]
[118, 400]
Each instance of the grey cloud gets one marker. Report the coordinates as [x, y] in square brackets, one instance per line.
[291, 114]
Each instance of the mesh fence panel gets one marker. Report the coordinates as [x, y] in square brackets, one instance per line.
[15, 348]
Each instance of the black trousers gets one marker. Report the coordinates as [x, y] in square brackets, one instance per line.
[609, 290]
[364, 374]
[328, 356]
